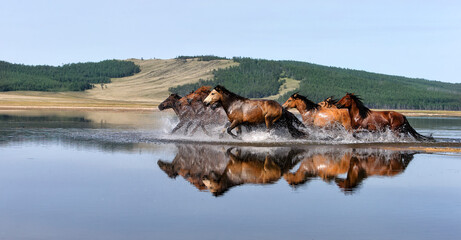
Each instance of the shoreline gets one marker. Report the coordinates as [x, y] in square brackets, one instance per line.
[137, 107]
[81, 108]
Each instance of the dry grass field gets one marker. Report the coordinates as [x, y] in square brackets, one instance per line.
[143, 90]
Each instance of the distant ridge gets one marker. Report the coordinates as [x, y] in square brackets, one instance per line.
[259, 78]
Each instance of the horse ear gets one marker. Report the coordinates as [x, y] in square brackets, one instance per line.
[295, 95]
[218, 88]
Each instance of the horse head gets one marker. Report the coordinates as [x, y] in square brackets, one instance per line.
[346, 101]
[328, 102]
[215, 184]
[215, 96]
[169, 102]
[198, 95]
[291, 101]
[355, 176]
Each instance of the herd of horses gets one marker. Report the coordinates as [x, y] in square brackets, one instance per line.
[214, 169]
[206, 106]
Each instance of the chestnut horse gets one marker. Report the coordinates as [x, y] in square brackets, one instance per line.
[364, 118]
[182, 109]
[315, 115]
[243, 111]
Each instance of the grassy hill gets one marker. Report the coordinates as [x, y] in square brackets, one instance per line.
[255, 78]
[145, 89]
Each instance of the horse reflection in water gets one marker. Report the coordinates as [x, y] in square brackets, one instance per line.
[219, 168]
[193, 162]
[254, 167]
[356, 164]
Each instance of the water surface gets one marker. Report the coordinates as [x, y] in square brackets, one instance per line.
[102, 175]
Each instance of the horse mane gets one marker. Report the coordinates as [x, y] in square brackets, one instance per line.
[363, 110]
[175, 95]
[203, 89]
[223, 90]
[309, 104]
[331, 100]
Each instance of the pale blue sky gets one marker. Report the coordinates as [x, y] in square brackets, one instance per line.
[408, 38]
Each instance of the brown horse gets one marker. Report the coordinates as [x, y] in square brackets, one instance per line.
[243, 111]
[182, 109]
[364, 118]
[315, 115]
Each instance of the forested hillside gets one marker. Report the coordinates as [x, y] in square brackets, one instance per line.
[252, 78]
[69, 77]
[257, 78]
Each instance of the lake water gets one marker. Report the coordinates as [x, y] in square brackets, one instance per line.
[120, 175]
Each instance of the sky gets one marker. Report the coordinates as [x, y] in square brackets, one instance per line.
[420, 39]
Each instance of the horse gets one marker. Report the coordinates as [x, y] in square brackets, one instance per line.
[206, 115]
[182, 109]
[377, 121]
[243, 111]
[315, 115]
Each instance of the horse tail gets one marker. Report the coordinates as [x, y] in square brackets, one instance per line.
[290, 119]
[407, 128]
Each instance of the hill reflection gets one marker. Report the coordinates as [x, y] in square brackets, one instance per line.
[217, 169]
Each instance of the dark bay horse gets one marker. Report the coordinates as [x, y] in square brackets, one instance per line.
[205, 114]
[243, 111]
[364, 118]
[190, 110]
[315, 115]
[182, 109]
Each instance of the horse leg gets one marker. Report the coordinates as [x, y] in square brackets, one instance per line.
[239, 130]
[195, 129]
[178, 126]
[233, 125]
[269, 123]
[248, 128]
[187, 127]
[205, 131]
[221, 135]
